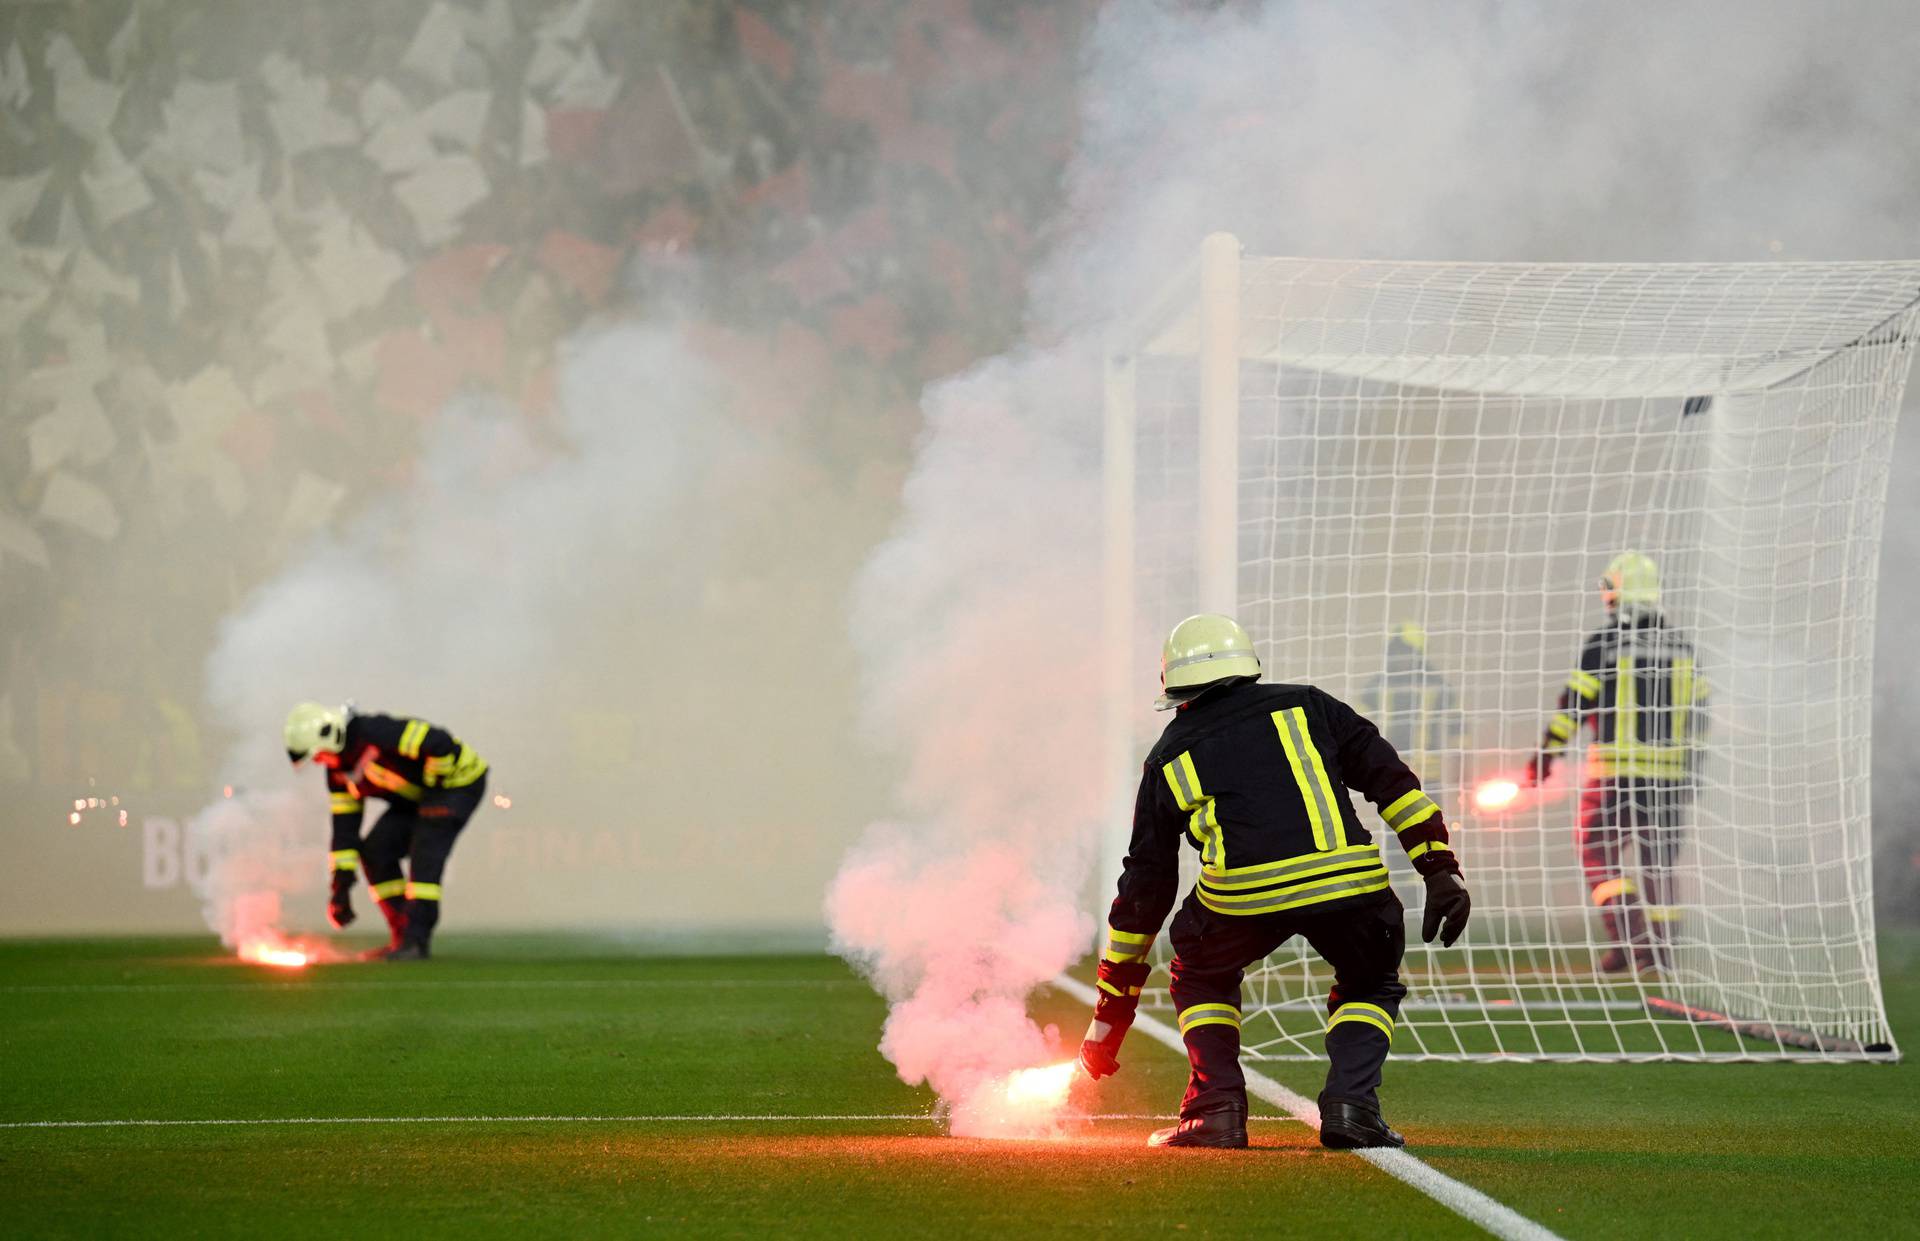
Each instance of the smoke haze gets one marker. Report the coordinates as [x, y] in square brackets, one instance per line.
[1724, 131]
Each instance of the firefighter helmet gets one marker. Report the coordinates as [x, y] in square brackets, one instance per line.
[1631, 584]
[1201, 650]
[312, 727]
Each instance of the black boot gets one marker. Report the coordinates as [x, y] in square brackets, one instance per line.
[412, 950]
[1350, 1126]
[1224, 1127]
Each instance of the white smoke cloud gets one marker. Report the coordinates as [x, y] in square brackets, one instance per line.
[1647, 131]
[497, 594]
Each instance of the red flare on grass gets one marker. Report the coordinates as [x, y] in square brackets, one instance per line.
[261, 952]
[1027, 1103]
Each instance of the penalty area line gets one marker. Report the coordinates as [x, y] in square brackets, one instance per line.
[1460, 1198]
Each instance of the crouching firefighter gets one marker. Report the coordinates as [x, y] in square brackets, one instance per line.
[1255, 777]
[432, 783]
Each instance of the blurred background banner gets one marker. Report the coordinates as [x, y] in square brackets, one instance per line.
[290, 298]
[552, 369]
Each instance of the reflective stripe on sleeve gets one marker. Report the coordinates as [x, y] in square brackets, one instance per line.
[1425, 847]
[423, 891]
[1612, 889]
[1411, 810]
[345, 859]
[1585, 684]
[1365, 1014]
[346, 803]
[1561, 726]
[1124, 947]
[412, 737]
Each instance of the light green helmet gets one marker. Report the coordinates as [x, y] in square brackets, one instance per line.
[1201, 650]
[1631, 584]
[312, 727]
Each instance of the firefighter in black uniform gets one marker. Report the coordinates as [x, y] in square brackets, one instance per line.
[1636, 689]
[432, 783]
[1255, 777]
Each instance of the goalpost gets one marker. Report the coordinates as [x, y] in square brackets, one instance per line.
[1339, 452]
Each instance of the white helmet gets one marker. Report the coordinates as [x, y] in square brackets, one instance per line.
[1201, 650]
[312, 728]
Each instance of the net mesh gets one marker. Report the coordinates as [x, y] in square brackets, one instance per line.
[1461, 449]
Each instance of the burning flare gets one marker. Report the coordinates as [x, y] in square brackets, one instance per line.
[262, 953]
[1496, 794]
[1027, 1103]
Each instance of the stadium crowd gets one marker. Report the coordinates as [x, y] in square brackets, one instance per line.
[253, 250]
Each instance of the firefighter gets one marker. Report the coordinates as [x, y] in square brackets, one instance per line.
[432, 783]
[1636, 690]
[1255, 777]
[1416, 708]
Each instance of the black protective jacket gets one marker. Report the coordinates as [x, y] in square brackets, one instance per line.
[1255, 777]
[399, 760]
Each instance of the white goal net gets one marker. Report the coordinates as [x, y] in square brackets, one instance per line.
[1406, 480]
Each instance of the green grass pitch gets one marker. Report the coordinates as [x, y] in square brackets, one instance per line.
[694, 1053]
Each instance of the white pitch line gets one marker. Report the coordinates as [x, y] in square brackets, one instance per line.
[1460, 1198]
[732, 1118]
[424, 984]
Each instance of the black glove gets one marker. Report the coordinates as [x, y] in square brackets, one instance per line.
[1448, 904]
[1539, 767]
[1112, 1016]
[340, 904]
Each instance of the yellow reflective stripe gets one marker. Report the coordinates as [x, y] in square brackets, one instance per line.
[467, 769]
[1296, 898]
[1287, 872]
[1368, 1014]
[1561, 726]
[1108, 987]
[1425, 847]
[392, 781]
[1682, 698]
[1316, 791]
[1661, 913]
[1626, 712]
[423, 891]
[1584, 684]
[346, 803]
[1654, 762]
[411, 738]
[345, 859]
[1209, 1015]
[1410, 811]
[1612, 889]
[392, 887]
[1124, 947]
[1184, 779]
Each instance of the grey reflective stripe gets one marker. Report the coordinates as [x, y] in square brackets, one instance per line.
[1098, 1031]
[1365, 855]
[1294, 721]
[1410, 810]
[1189, 796]
[1287, 896]
[1205, 656]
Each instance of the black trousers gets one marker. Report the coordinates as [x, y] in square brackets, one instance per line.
[1363, 941]
[422, 837]
[1632, 822]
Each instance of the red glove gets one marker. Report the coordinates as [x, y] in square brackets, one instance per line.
[1112, 1016]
